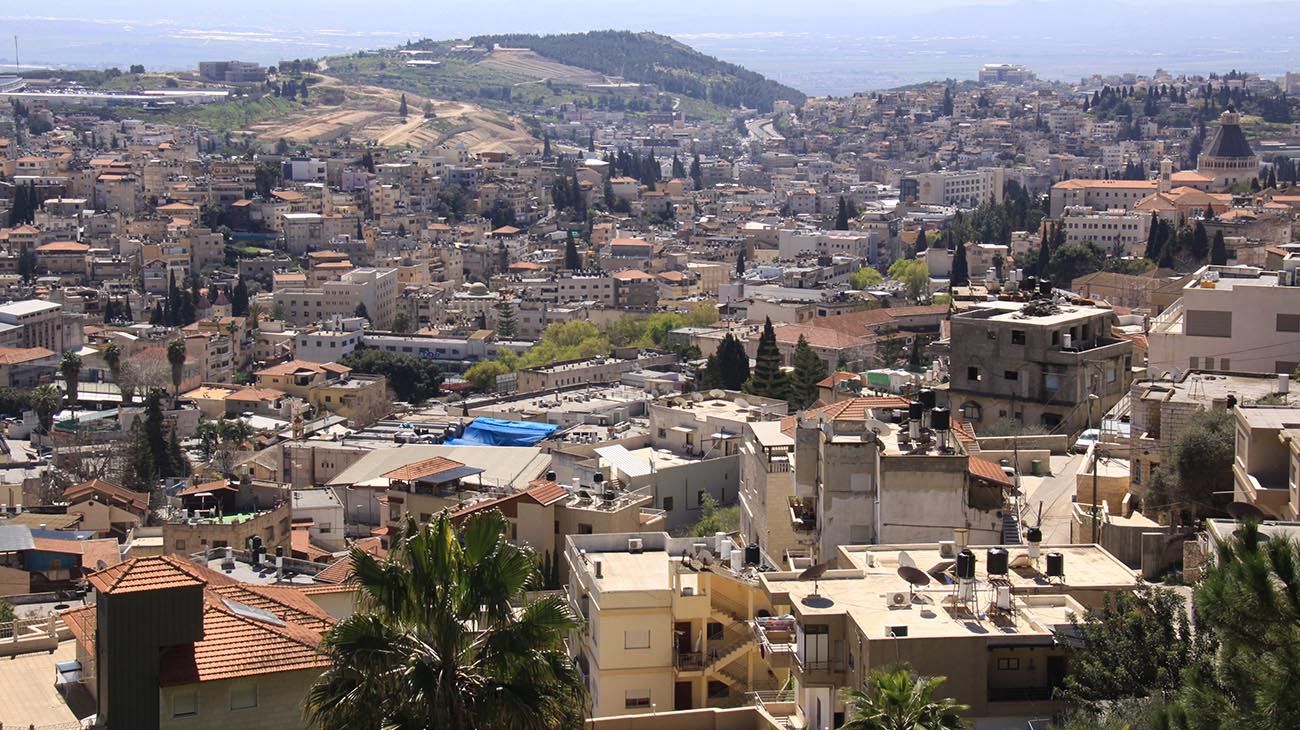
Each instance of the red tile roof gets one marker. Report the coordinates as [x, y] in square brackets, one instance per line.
[300, 544]
[18, 355]
[546, 493]
[107, 491]
[988, 471]
[851, 409]
[147, 574]
[423, 468]
[239, 646]
[206, 487]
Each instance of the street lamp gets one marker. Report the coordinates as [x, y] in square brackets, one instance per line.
[1093, 397]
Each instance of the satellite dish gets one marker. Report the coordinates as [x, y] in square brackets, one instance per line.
[717, 393]
[697, 397]
[814, 572]
[100, 565]
[1244, 511]
[905, 560]
[914, 576]
[742, 403]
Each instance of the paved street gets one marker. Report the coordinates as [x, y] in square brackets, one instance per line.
[1055, 495]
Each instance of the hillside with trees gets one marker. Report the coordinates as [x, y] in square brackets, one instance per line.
[650, 58]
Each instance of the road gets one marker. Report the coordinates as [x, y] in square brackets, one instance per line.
[1055, 493]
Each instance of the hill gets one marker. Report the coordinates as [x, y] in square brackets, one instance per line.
[650, 58]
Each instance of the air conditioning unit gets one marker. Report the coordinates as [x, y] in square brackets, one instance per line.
[899, 598]
[948, 549]
[634, 544]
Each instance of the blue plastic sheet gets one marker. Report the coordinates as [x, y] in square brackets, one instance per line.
[497, 432]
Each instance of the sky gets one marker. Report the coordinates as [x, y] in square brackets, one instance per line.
[819, 46]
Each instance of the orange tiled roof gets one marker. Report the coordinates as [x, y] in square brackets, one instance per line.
[17, 355]
[988, 471]
[108, 491]
[300, 544]
[423, 468]
[206, 487]
[237, 646]
[286, 604]
[63, 247]
[546, 493]
[146, 574]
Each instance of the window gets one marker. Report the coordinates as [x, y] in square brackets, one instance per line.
[584, 529]
[1006, 664]
[1288, 323]
[1193, 363]
[663, 432]
[1017, 337]
[243, 695]
[185, 702]
[1011, 375]
[638, 639]
[971, 411]
[325, 528]
[668, 504]
[1207, 323]
[180, 545]
[636, 698]
[1224, 364]
[973, 374]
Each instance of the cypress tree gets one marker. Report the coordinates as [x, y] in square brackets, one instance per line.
[842, 216]
[732, 364]
[1219, 250]
[239, 299]
[572, 259]
[126, 314]
[1200, 242]
[1153, 239]
[507, 325]
[808, 371]
[697, 175]
[960, 273]
[401, 107]
[1044, 256]
[740, 263]
[679, 170]
[767, 379]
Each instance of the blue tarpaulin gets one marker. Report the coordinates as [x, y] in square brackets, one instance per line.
[496, 432]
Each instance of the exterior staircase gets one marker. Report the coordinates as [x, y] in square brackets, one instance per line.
[1011, 527]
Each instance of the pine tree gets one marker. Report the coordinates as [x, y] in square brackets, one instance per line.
[239, 299]
[157, 316]
[1219, 250]
[767, 379]
[808, 372]
[960, 274]
[110, 311]
[572, 259]
[546, 146]
[740, 263]
[947, 101]
[697, 175]
[842, 216]
[1272, 179]
[1153, 239]
[1044, 256]
[1200, 243]
[732, 363]
[507, 324]
[922, 239]
[401, 107]
[679, 170]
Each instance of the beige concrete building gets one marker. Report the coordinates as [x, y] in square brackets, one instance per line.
[1230, 318]
[992, 636]
[665, 622]
[376, 289]
[1266, 467]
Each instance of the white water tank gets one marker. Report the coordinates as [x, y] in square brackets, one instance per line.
[1283, 383]
[1067, 340]
[737, 560]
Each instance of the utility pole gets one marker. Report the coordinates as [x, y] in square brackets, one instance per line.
[1095, 466]
[16, 66]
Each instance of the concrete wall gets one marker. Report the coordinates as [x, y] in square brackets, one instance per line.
[737, 718]
[1025, 465]
[280, 700]
[1057, 444]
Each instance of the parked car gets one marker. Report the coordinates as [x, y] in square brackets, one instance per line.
[1086, 439]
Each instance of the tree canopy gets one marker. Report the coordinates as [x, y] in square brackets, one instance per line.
[413, 379]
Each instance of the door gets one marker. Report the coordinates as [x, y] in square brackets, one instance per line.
[682, 696]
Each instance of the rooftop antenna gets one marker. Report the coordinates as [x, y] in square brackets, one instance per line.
[16, 65]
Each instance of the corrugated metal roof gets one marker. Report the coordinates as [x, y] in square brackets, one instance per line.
[625, 461]
[15, 537]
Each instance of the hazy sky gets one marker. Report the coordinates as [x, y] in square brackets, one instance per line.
[822, 46]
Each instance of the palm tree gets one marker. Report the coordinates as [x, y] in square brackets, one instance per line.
[70, 369]
[176, 358]
[45, 401]
[437, 643]
[113, 358]
[899, 700]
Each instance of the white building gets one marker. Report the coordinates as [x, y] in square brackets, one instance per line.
[376, 289]
[967, 188]
[1118, 232]
[1230, 318]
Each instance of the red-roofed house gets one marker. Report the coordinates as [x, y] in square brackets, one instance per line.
[106, 508]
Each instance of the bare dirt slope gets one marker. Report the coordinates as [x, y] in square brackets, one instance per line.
[525, 62]
[370, 112]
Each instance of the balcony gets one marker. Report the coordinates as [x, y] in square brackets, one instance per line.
[776, 638]
[803, 513]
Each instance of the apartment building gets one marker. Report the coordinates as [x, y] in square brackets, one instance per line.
[376, 289]
[592, 370]
[1037, 362]
[330, 343]
[36, 323]
[865, 469]
[1266, 466]
[793, 244]
[1099, 194]
[966, 615]
[1230, 318]
[665, 622]
[1117, 232]
[1123, 290]
[963, 188]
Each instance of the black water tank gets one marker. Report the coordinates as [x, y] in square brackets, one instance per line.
[752, 556]
[1055, 565]
[1045, 287]
[966, 564]
[927, 398]
[997, 561]
[914, 410]
[550, 476]
[597, 478]
[255, 542]
[939, 419]
[1033, 535]
[1030, 284]
[279, 551]
[1232, 401]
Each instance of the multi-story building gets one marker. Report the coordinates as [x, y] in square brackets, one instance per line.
[966, 188]
[857, 471]
[593, 370]
[988, 628]
[1006, 73]
[34, 323]
[1266, 465]
[1037, 362]
[1230, 318]
[1099, 194]
[376, 289]
[662, 632]
[1117, 232]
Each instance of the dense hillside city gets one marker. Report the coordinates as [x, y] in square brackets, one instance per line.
[588, 380]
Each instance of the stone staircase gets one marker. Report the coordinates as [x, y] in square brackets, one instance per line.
[1010, 527]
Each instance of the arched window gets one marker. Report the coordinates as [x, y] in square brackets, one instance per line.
[971, 411]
